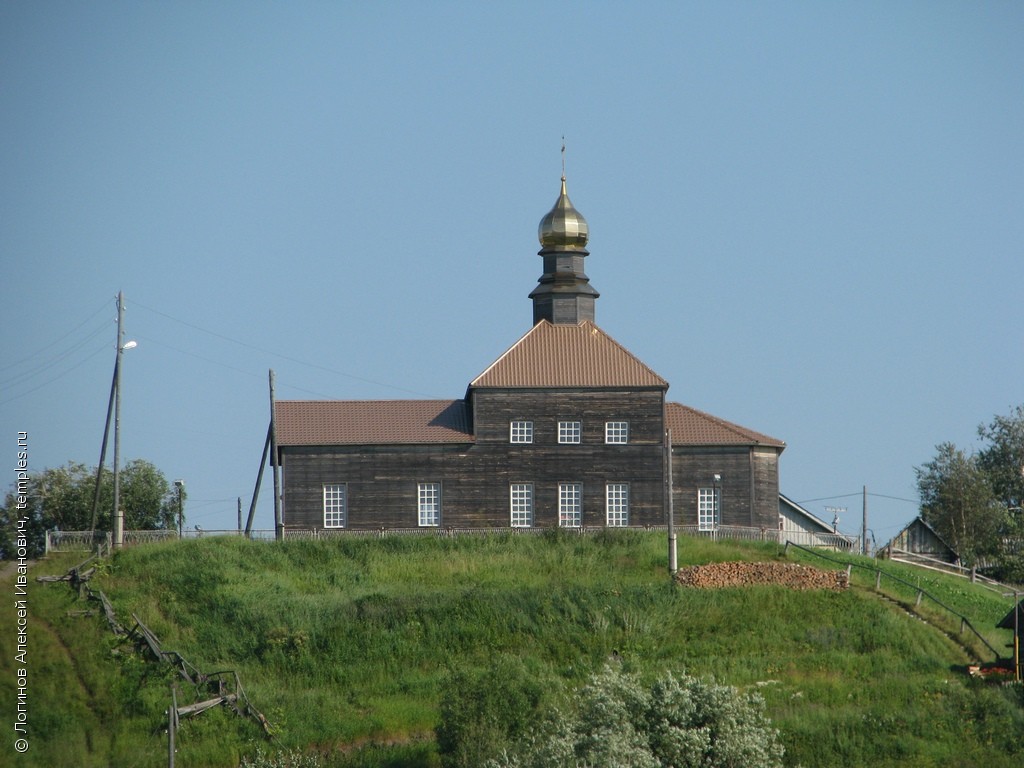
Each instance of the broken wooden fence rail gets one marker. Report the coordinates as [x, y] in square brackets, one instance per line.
[78, 576]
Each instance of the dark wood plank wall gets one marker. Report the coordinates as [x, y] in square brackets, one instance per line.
[475, 478]
[750, 483]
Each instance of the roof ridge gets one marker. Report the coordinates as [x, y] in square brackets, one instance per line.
[577, 355]
[621, 346]
[508, 351]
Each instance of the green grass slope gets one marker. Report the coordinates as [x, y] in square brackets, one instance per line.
[344, 645]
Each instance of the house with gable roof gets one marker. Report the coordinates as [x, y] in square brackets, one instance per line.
[567, 428]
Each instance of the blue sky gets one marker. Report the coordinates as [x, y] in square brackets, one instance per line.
[807, 216]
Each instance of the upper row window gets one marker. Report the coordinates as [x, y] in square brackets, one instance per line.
[570, 432]
[521, 432]
[616, 431]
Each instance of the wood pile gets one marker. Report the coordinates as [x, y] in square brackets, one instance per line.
[792, 575]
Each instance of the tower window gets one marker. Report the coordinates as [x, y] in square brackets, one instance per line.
[569, 432]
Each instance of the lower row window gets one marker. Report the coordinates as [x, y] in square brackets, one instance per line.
[570, 504]
[335, 505]
[707, 509]
[522, 504]
[430, 504]
[617, 504]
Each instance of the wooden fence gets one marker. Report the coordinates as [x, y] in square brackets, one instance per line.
[965, 623]
[84, 541]
[211, 688]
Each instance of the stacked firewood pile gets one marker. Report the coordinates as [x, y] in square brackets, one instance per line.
[792, 575]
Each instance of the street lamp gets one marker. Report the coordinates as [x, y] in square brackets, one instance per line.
[717, 479]
[180, 485]
[121, 347]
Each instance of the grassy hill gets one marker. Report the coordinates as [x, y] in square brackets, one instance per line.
[345, 645]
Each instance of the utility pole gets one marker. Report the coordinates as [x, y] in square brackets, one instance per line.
[864, 525]
[278, 521]
[673, 559]
[118, 514]
[239, 514]
[180, 485]
[103, 453]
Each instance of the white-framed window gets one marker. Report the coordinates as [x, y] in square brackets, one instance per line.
[521, 501]
[616, 504]
[569, 431]
[521, 432]
[616, 432]
[707, 509]
[570, 505]
[335, 505]
[429, 495]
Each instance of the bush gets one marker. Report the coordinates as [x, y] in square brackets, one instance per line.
[482, 711]
[681, 722]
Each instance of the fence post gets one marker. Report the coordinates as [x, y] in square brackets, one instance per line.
[920, 593]
[172, 726]
[878, 581]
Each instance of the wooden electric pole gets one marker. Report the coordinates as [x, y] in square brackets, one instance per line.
[278, 521]
[864, 524]
[118, 514]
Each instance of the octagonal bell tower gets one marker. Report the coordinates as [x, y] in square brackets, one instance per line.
[563, 294]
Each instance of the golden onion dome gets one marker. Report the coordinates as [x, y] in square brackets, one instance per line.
[563, 225]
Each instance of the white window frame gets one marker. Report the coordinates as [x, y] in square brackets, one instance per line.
[428, 502]
[707, 509]
[616, 432]
[616, 505]
[520, 431]
[521, 504]
[570, 505]
[570, 432]
[335, 505]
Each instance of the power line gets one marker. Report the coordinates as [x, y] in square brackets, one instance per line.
[33, 356]
[265, 351]
[23, 376]
[859, 494]
[55, 378]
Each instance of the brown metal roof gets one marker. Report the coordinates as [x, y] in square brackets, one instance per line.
[692, 427]
[567, 355]
[364, 422]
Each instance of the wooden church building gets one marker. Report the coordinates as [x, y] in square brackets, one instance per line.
[566, 428]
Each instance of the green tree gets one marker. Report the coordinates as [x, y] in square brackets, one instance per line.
[62, 499]
[678, 722]
[957, 500]
[1002, 458]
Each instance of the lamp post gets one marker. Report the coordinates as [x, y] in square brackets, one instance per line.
[717, 481]
[121, 347]
[180, 485]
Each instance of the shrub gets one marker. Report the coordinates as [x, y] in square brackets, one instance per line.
[680, 721]
[482, 711]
